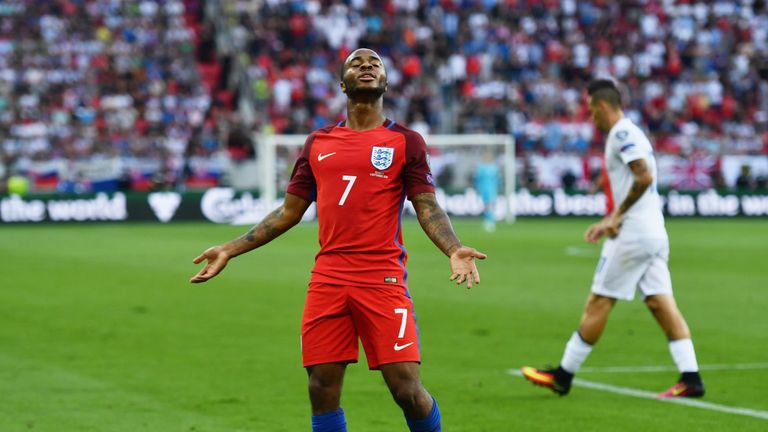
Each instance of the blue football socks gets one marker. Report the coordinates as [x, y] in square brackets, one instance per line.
[333, 421]
[431, 423]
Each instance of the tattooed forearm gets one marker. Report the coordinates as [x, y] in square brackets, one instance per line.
[265, 231]
[435, 223]
[272, 226]
[268, 229]
[635, 192]
[643, 180]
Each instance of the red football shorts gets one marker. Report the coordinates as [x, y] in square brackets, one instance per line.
[336, 315]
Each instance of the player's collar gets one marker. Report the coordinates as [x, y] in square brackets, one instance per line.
[387, 123]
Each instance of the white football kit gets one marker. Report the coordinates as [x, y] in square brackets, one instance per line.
[637, 258]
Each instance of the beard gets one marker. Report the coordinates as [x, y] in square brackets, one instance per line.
[354, 91]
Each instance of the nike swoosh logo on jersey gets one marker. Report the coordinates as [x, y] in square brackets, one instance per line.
[402, 347]
[321, 156]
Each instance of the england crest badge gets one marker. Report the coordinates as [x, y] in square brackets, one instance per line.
[381, 157]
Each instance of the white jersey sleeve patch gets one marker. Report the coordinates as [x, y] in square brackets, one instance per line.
[629, 146]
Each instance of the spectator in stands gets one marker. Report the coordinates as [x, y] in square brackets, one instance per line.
[83, 83]
[745, 182]
[761, 183]
[687, 65]
[239, 143]
[569, 181]
[72, 73]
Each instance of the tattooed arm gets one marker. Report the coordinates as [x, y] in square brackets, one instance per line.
[437, 226]
[611, 225]
[643, 179]
[272, 226]
[435, 222]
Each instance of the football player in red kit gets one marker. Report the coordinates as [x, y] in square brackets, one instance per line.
[359, 173]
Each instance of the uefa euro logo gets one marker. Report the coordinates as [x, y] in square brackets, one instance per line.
[381, 157]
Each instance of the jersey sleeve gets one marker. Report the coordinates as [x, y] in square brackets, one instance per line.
[416, 173]
[302, 182]
[629, 145]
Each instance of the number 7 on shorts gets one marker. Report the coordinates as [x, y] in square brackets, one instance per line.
[403, 321]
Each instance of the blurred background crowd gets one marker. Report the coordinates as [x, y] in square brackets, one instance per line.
[104, 95]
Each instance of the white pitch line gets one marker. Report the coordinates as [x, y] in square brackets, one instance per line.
[646, 369]
[581, 251]
[627, 391]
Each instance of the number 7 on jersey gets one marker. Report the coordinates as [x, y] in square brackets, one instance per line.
[351, 180]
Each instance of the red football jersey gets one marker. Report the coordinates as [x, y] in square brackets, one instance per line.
[359, 181]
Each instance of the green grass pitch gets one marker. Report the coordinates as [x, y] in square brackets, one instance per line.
[100, 331]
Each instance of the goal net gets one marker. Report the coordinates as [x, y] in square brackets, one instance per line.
[453, 160]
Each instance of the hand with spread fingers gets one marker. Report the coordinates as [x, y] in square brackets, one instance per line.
[217, 259]
[463, 266]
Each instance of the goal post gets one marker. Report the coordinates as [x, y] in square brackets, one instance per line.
[503, 145]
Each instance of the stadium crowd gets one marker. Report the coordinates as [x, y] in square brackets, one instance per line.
[169, 91]
[101, 95]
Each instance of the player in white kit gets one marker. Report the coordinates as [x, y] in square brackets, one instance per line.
[634, 256]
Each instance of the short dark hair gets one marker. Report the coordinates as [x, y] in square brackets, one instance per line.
[343, 66]
[606, 90]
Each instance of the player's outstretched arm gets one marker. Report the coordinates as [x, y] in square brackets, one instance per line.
[437, 226]
[272, 226]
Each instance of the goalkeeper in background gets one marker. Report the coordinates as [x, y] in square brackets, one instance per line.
[487, 185]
